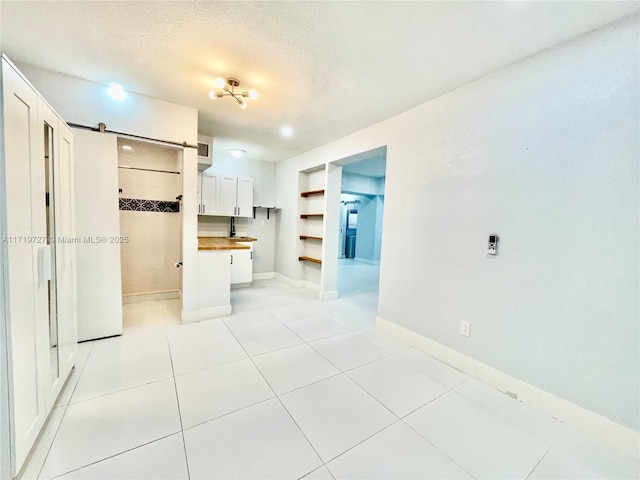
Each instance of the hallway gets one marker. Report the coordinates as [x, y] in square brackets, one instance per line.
[290, 387]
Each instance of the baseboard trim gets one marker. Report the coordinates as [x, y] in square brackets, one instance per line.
[314, 287]
[193, 316]
[329, 295]
[618, 436]
[289, 281]
[150, 297]
[366, 261]
[263, 276]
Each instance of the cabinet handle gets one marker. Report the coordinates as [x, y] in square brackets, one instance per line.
[238, 210]
[250, 255]
[204, 208]
[231, 259]
[199, 208]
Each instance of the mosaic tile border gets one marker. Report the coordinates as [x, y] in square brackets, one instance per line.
[138, 205]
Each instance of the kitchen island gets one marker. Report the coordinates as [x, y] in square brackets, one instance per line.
[221, 262]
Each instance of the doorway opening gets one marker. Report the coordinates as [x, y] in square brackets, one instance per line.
[150, 192]
[360, 224]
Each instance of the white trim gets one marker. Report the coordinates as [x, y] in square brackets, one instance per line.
[314, 287]
[366, 261]
[206, 313]
[619, 436]
[150, 297]
[263, 276]
[330, 295]
[289, 281]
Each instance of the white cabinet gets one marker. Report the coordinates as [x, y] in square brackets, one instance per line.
[37, 267]
[242, 264]
[213, 278]
[244, 197]
[228, 193]
[209, 193]
[225, 195]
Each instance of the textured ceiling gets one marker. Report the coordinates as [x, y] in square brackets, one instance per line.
[326, 68]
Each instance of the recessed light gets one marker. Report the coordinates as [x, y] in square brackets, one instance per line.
[128, 148]
[236, 152]
[116, 91]
[286, 131]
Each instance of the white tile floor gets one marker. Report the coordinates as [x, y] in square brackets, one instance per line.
[289, 387]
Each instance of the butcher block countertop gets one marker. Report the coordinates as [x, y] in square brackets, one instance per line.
[224, 243]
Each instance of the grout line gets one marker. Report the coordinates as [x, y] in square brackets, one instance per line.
[538, 463]
[437, 448]
[282, 403]
[228, 413]
[510, 423]
[175, 389]
[363, 440]
[64, 413]
[116, 455]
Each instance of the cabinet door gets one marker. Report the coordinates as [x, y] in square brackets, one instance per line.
[65, 215]
[244, 200]
[241, 266]
[28, 337]
[210, 194]
[199, 192]
[228, 189]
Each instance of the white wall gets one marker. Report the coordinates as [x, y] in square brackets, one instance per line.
[545, 154]
[263, 174]
[152, 248]
[87, 103]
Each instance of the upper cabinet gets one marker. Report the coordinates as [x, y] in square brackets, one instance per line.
[225, 195]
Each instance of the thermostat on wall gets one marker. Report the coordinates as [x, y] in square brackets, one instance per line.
[492, 248]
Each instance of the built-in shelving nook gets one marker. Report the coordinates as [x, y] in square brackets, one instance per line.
[311, 210]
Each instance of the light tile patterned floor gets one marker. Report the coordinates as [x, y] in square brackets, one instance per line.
[289, 387]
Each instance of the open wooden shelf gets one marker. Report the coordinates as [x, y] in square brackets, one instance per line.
[309, 259]
[309, 237]
[311, 215]
[312, 192]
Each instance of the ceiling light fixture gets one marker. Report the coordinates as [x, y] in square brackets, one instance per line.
[228, 90]
[116, 91]
[286, 131]
[237, 152]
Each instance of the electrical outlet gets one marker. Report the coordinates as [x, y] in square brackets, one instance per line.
[465, 328]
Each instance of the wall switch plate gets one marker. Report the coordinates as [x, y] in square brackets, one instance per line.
[465, 328]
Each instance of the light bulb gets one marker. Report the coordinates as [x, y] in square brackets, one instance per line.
[220, 82]
[212, 95]
[286, 131]
[253, 94]
[242, 103]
